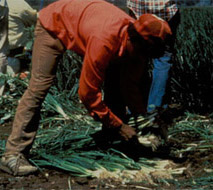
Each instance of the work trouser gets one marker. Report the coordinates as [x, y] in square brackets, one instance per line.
[161, 70]
[46, 51]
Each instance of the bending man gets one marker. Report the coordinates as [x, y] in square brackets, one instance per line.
[100, 32]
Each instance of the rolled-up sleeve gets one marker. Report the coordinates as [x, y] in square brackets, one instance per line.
[97, 56]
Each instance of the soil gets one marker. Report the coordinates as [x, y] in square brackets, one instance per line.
[51, 179]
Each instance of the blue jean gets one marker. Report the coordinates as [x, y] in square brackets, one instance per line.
[159, 80]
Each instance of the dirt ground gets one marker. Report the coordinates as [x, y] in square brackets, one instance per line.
[50, 179]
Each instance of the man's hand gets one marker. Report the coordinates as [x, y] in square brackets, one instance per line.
[127, 132]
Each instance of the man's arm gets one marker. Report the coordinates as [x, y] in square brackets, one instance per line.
[96, 60]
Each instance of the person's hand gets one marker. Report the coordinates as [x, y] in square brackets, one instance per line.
[127, 132]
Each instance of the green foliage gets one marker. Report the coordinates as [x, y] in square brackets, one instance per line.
[14, 88]
[198, 183]
[72, 148]
[30, 37]
[192, 72]
[68, 73]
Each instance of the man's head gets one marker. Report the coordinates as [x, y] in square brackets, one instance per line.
[148, 35]
[149, 25]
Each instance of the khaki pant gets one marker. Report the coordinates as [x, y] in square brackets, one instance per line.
[46, 50]
[122, 88]
[4, 44]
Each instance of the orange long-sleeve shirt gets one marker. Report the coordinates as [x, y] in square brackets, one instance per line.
[97, 30]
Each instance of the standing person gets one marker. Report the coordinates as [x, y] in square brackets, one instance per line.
[4, 45]
[98, 31]
[167, 10]
[21, 17]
